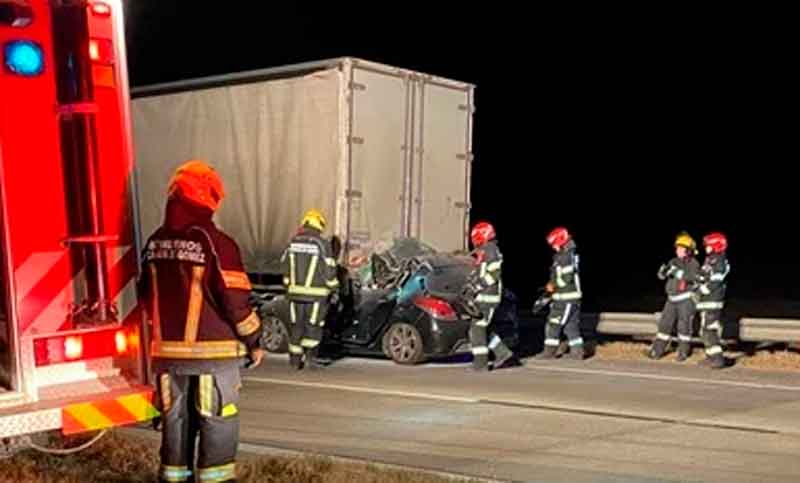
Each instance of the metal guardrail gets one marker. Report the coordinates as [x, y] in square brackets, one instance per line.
[769, 330]
[621, 323]
[750, 329]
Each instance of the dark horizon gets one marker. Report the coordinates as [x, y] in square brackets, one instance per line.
[625, 131]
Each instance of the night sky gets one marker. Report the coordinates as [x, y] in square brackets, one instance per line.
[626, 126]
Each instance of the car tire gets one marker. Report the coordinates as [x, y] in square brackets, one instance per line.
[402, 343]
[275, 335]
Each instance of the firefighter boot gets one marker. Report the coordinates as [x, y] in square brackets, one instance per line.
[658, 349]
[296, 361]
[576, 352]
[313, 360]
[684, 351]
[549, 352]
[716, 361]
[503, 357]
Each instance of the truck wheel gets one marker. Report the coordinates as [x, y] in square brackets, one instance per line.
[275, 335]
[403, 344]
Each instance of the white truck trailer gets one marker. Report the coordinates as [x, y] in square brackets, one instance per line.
[384, 152]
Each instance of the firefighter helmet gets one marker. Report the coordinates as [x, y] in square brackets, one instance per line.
[558, 238]
[685, 240]
[482, 233]
[315, 219]
[716, 242]
[197, 182]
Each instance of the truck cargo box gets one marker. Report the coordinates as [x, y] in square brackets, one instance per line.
[384, 152]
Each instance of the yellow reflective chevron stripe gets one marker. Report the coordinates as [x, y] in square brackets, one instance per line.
[107, 413]
[314, 314]
[331, 262]
[89, 416]
[138, 406]
[494, 266]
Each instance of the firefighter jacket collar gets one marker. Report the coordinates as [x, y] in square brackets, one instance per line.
[181, 214]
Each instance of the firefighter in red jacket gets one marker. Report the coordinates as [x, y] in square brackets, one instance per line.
[312, 284]
[196, 293]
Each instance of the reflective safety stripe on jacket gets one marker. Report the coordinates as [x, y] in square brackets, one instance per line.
[197, 295]
[311, 270]
[489, 271]
[565, 274]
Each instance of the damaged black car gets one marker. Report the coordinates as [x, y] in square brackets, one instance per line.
[406, 304]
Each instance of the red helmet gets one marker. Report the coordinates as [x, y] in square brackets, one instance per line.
[482, 233]
[558, 238]
[716, 241]
[198, 183]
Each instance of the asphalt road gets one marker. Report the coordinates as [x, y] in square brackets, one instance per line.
[547, 421]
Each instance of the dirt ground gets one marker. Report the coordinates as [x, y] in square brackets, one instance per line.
[776, 358]
[118, 458]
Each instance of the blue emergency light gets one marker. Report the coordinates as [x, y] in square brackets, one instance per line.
[23, 57]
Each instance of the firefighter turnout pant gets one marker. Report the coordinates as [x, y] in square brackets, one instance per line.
[564, 318]
[483, 340]
[307, 321]
[681, 313]
[711, 331]
[203, 405]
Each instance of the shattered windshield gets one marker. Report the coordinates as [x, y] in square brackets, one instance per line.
[411, 265]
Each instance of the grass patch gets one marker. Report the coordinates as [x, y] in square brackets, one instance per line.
[776, 358]
[125, 458]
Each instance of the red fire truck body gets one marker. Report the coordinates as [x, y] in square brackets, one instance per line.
[72, 339]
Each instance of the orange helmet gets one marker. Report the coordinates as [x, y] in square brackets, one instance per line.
[198, 183]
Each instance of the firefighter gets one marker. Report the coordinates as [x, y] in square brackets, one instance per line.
[565, 287]
[714, 271]
[196, 293]
[488, 289]
[312, 286]
[682, 274]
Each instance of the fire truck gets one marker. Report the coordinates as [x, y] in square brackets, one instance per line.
[73, 341]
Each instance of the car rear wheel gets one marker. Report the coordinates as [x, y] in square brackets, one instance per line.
[403, 344]
[275, 335]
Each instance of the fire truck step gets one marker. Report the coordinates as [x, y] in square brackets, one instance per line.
[84, 388]
[77, 371]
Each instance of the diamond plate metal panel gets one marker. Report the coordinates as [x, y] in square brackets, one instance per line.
[31, 422]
